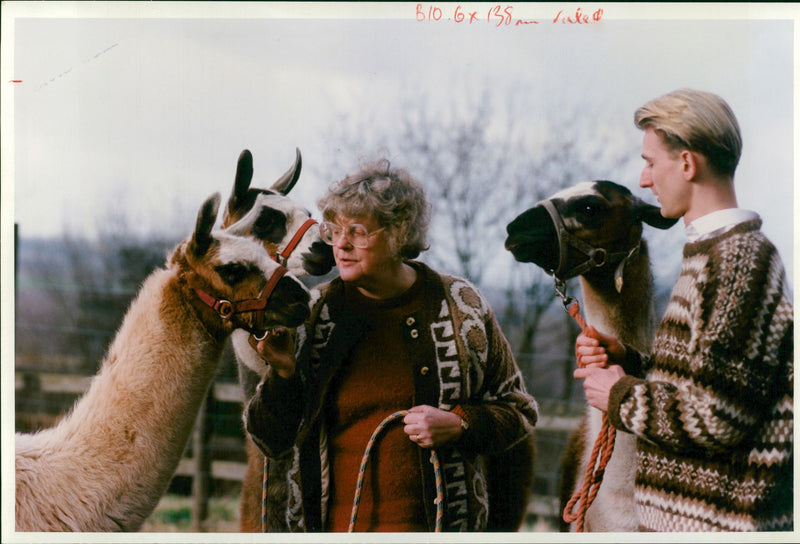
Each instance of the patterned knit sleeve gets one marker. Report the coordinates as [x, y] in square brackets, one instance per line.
[272, 416]
[722, 358]
[501, 413]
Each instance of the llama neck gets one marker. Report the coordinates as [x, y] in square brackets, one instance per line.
[130, 428]
[628, 315]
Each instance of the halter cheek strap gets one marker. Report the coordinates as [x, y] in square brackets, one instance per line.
[596, 257]
[283, 256]
[227, 309]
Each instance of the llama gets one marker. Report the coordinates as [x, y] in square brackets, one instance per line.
[289, 235]
[594, 230]
[285, 228]
[287, 232]
[106, 464]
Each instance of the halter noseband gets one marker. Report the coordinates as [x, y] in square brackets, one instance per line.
[283, 257]
[227, 309]
[596, 257]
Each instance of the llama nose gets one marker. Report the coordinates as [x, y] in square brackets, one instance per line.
[318, 247]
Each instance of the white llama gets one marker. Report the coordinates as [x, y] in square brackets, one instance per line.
[107, 463]
[594, 230]
[291, 236]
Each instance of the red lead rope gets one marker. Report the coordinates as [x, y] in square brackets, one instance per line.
[603, 448]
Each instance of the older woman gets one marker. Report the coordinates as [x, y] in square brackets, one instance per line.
[389, 334]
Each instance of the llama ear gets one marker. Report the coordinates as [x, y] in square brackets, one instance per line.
[206, 217]
[652, 215]
[290, 177]
[244, 175]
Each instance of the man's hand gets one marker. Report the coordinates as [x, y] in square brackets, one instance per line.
[598, 382]
[592, 348]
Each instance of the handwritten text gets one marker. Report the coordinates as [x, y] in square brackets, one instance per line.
[500, 15]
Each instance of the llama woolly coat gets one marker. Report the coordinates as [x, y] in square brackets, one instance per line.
[714, 417]
[464, 361]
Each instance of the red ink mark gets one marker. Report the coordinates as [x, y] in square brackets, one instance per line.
[498, 15]
[579, 18]
[504, 15]
[434, 13]
[16, 81]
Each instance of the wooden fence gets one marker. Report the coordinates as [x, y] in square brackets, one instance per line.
[40, 398]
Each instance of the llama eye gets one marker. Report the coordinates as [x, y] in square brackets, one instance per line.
[270, 225]
[233, 273]
[589, 211]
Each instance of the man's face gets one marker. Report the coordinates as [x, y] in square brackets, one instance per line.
[663, 173]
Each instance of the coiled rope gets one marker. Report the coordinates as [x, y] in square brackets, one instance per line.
[264, 488]
[437, 470]
[434, 458]
[601, 454]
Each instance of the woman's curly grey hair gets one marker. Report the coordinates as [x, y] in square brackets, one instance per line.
[392, 196]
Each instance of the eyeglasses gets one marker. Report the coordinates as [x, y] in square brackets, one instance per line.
[355, 234]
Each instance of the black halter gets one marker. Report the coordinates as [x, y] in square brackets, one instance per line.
[596, 257]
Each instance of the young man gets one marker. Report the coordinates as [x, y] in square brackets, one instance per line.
[712, 404]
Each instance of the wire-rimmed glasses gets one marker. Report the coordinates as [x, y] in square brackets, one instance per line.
[356, 234]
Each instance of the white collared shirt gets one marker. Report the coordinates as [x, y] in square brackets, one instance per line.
[716, 223]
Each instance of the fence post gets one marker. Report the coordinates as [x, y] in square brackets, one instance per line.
[202, 462]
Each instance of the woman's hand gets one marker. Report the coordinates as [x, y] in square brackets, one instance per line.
[277, 349]
[431, 427]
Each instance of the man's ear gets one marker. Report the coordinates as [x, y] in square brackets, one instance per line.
[691, 164]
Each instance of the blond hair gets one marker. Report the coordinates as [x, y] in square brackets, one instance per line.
[697, 121]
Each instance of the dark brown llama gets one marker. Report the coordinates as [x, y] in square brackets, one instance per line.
[594, 230]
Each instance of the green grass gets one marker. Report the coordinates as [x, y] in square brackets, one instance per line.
[174, 514]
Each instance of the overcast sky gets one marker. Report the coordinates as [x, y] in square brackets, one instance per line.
[139, 115]
[139, 110]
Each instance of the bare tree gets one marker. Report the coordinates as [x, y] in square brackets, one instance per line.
[463, 165]
[483, 159]
[79, 291]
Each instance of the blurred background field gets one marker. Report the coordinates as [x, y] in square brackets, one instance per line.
[174, 515]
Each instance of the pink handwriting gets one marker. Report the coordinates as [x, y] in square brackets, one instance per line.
[498, 15]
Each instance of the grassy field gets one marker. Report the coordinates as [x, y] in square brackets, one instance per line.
[174, 515]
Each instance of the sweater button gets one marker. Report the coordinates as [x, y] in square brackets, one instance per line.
[410, 321]
[424, 370]
[414, 333]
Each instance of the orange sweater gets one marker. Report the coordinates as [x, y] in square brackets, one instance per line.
[376, 382]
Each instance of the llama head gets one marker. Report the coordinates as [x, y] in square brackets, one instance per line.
[284, 228]
[234, 282]
[589, 229]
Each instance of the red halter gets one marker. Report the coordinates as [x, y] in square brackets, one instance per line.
[283, 256]
[227, 309]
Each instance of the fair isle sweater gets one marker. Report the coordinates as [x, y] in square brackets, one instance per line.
[463, 361]
[712, 405]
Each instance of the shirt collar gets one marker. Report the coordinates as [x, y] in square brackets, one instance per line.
[717, 222]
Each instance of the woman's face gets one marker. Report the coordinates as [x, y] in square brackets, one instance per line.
[367, 267]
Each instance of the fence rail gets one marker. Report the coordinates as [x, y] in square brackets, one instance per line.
[35, 409]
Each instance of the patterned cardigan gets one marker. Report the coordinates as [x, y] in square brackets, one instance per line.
[464, 360]
[714, 416]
